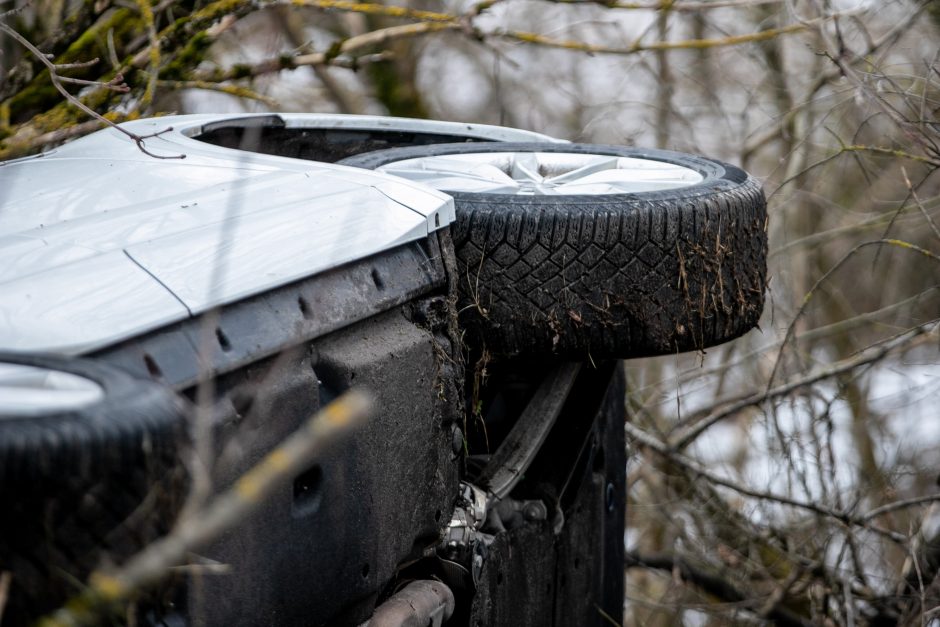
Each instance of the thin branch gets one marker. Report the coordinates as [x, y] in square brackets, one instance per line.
[57, 83]
[844, 149]
[439, 22]
[232, 90]
[903, 504]
[829, 330]
[672, 455]
[913, 192]
[828, 235]
[825, 277]
[77, 64]
[115, 84]
[891, 152]
[371, 8]
[865, 358]
[330, 57]
[711, 584]
[13, 11]
[825, 79]
[146, 12]
[689, 44]
[839, 58]
[673, 5]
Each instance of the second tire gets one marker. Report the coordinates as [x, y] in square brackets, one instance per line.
[596, 251]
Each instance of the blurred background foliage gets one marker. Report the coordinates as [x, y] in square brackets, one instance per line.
[789, 476]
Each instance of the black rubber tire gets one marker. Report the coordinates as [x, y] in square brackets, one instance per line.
[618, 275]
[83, 487]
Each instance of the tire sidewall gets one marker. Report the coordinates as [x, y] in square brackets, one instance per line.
[606, 275]
[90, 438]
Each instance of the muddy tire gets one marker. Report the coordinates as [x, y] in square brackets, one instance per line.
[83, 485]
[625, 270]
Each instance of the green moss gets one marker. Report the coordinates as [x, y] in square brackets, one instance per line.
[13, 144]
[123, 23]
[33, 98]
[396, 91]
[40, 94]
[187, 58]
[334, 50]
[933, 9]
[240, 70]
[56, 118]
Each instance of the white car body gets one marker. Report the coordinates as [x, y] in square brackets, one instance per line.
[100, 242]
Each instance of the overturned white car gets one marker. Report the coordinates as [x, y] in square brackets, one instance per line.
[188, 290]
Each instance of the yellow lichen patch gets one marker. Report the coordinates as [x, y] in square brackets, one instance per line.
[248, 487]
[337, 414]
[373, 8]
[278, 460]
[108, 587]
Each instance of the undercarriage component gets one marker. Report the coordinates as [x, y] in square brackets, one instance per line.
[517, 451]
[567, 569]
[483, 512]
[464, 543]
[423, 603]
[480, 514]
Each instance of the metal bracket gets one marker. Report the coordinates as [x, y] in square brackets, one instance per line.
[480, 513]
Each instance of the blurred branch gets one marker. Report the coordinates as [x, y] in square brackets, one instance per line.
[711, 584]
[839, 53]
[906, 340]
[825, 277]
[371, 8]
[829, 235]
[672, 5]
[690, 44]
[330, 57]
[61, 135]
[844, 149]
[115, 84]
[840, 327]
[146, 12]
[232, 90]
[173, 53]
[897, 505]
[106, 589]
[889, 152]
[912, 190]
[784, 122]
[843, 517]
[437, 22]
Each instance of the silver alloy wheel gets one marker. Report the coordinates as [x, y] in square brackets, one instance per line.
[543, 173]
[34, 391]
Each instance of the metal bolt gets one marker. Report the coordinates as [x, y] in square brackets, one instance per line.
[456, 442]
[476, 570]
[611, 497]
[535, 511]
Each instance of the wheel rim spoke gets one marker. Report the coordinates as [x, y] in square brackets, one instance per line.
[543, 173]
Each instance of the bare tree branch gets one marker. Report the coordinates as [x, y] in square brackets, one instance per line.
[917, 335]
